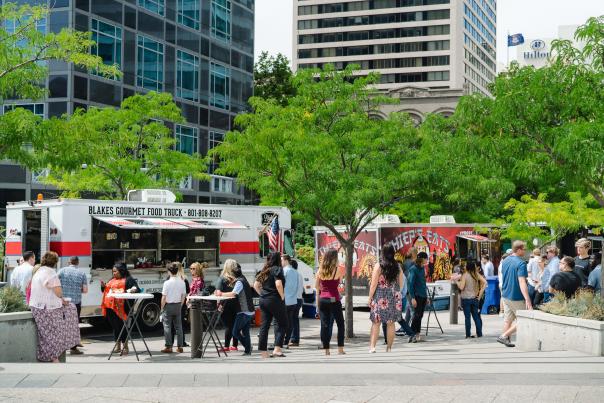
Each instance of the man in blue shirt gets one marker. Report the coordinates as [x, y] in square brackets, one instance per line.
[595, 277]
[291, 295]
[74, 283]
[514, 290]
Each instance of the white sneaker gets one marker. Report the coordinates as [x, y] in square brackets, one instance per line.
[372, 351]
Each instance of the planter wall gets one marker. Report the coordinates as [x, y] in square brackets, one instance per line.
[18, 337]
[540, 331]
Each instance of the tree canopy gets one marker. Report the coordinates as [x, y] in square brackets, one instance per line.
[541, 135]
[120, 149]
[25, 50]
[273, 78]
[324, 156]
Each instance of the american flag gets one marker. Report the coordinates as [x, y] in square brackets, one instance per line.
[274, 236]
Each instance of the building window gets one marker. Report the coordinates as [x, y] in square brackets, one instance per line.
[36, 109]
[214, 139]
[156, 6]
[150, 69]
[108, 40]
[187, 80]
[222, 184]
[221, 19]
[220, 81]
[188, 13]
[186, 139]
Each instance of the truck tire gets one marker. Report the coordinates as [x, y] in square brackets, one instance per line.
[148, 319]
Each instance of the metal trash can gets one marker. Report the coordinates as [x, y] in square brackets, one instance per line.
[492, 296]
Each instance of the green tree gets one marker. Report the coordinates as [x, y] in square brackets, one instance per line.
[121, 149]
[324, 156]
[273, 78]
[542, 132]
[24, 51]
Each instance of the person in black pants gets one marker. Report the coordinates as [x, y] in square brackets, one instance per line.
[417, 290]
[270, 283]
[230, 307]
[328, 300]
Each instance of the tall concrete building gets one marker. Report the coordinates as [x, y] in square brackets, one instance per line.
[431, 48]
[200, 51]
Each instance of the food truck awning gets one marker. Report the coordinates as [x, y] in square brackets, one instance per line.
[173, 223]
[208, 223]
[476, 238]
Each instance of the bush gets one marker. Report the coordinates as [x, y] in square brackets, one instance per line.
[585, 305]
[11, 300]
[306, 254]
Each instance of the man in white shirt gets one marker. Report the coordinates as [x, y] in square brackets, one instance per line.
[173, 296]
[21, 275]
[487, 266]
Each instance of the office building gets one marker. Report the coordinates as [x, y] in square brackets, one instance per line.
[200, 51]
[434, 47]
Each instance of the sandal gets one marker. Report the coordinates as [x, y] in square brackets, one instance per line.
[277, 355]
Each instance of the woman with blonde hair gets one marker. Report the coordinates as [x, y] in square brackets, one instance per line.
[230, 308]
[328, 300]
[197, 277]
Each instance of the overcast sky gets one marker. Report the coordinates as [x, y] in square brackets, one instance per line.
[533, 18]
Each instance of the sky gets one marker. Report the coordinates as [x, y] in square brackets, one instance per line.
[535, 19]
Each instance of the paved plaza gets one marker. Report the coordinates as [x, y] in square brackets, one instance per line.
[443, 368]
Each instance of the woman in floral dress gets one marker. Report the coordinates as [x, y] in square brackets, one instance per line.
[385, 297]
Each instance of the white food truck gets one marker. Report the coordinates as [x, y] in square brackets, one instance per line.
[145, 236]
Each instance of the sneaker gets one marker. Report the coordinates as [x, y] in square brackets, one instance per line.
[233, 348]
[75, 351]
[294, 344]
[167, 350]
[246, 354]
[185, 344]
[372, 351]
[505, 341]
[413, 339]
[400, 333]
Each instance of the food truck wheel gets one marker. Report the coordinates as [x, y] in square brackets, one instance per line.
[149, 316]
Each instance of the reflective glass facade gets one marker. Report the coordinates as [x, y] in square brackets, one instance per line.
[200, 51]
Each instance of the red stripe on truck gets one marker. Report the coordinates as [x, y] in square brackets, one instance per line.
[234, 248]
[71, 248]
[13, 248]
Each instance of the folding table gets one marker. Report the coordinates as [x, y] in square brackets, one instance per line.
[209, 324]
[131, 321]
[431, 310]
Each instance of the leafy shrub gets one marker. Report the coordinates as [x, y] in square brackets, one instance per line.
[585, 305]
[11, 300]
[306, 254]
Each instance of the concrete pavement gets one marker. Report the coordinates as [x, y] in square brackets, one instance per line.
[445, 367]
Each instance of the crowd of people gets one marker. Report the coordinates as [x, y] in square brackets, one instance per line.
[398, 294]
[527, 285]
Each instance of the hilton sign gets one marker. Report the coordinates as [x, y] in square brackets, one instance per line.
[538, 50]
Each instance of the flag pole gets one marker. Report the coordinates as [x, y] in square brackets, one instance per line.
[507, 43]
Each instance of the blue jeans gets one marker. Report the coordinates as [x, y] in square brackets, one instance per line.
[241, 331]
[547, 296]
[470, 308]
[531, 291]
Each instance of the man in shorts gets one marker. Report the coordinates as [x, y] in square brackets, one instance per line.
[514, 290]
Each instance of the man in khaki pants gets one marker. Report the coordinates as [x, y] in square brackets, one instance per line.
[514, 290]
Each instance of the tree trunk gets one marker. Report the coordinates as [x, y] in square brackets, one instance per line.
[349, 248]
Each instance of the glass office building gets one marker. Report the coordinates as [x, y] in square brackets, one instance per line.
[200, 51]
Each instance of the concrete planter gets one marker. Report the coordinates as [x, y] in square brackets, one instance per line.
[540, 331]
[18, 337]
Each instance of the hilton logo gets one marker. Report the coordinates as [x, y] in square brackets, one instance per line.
[537, 45]
[539, 51]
